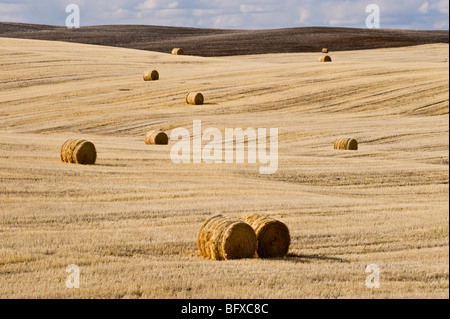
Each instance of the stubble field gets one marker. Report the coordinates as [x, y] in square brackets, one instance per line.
[130, 221]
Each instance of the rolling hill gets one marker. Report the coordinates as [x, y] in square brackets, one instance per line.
[214, 42]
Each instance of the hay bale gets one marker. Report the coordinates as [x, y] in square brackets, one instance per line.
[195, 98]
[78, 152]
[63, 151]
[67, 151]
[325, 58]
[177, 51]
[273, 236]
[151, 75]
[348, 144]
[156, 138]
[222, 238]
[325, 50]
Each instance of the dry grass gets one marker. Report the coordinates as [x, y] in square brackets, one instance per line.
[130, 222]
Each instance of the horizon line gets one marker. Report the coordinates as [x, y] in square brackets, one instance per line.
[230, 29]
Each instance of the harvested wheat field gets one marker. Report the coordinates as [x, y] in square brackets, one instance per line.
[130, 221]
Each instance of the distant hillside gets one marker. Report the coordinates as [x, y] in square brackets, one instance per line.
[216, 42]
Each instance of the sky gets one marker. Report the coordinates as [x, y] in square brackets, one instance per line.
[233, 14]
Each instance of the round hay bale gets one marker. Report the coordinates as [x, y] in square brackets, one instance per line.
[222, 238]
[325, 50]
[195, 98]
[78, 152]
[273, 236]
[67, 151]
[325, 58]
[156, 138]
[177, 51]
[348, 144]
[63, 151]
[151, 75]
[85, 153]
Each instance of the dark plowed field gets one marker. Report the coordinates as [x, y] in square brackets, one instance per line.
[214, 42]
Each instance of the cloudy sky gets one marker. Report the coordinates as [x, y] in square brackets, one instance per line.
[243, 14]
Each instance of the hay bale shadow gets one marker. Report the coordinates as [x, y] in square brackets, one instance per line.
[306, 259]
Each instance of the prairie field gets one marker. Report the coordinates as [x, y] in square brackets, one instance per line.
[130, 221]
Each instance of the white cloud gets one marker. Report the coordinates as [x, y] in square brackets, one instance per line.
[205, 12]
[119, 13]
[156, 4]
[228, 21]
[244, 8]
[424, 8]
[303, 17]
[10, 7]
[441, 6]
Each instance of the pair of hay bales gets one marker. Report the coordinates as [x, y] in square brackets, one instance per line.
[84, 152]
[78, 152]
[191, 98]
[325, 57]
[154, 75]
[222, 238]
[194, 98]
[347, 144]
